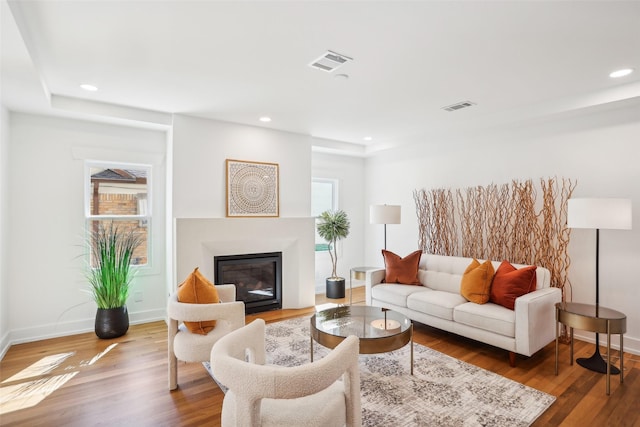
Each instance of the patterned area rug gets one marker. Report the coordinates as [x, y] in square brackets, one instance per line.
[443, 391]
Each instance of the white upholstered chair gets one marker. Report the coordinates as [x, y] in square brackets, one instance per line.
[189, 347]
[268, 396]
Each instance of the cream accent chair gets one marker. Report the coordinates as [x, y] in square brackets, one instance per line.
[190, 347]
[309, 395]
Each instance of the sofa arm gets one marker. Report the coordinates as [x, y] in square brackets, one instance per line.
[536, 319]
[372, 278]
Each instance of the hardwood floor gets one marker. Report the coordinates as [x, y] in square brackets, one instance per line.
[128, 385]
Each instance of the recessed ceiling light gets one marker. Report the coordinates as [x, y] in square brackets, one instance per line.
[265, 119]
[368, 138]
[341, 76]
[621, 73]
[88, 87]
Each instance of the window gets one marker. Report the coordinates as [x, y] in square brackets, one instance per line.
[324, 196]
[117, 192]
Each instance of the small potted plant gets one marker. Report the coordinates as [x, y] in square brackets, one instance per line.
[333, 226]
[111, 250]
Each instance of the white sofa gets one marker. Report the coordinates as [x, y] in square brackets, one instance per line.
[438, 303]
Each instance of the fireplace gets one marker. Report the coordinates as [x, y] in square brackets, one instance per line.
[258, 279]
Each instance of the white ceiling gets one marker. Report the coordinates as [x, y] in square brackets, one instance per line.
[238, 60]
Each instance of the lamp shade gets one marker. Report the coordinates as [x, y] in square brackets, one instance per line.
[613, 214]
[384, 214]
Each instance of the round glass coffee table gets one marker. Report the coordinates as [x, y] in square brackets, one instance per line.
[380, 330]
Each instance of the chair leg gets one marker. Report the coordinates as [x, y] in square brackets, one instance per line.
[173, 372]
[173, 360]
[512, 359]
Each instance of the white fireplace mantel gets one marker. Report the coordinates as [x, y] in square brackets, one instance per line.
[198, 240]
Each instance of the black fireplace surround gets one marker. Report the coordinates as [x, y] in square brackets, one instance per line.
[258, 279]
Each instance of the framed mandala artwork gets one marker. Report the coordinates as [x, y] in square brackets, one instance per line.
[252, 189]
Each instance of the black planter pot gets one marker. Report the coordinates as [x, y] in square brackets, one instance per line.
[335, 287]
[112, 322]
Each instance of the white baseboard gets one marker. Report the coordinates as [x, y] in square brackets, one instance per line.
[24, 335]
[148, 316]
[4, 345]
[631, 344]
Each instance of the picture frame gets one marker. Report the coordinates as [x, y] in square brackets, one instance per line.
[252, 189]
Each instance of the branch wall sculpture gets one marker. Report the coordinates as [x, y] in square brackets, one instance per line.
[437, 228]
[500, 222]
[471, 203]
[524, 227]
[554, 235]
[498, 214]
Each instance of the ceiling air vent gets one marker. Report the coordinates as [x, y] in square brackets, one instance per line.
[330, 61]
[458, 106]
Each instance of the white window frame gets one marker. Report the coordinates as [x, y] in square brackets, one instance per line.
[144, 218]
[334, 190]
[334, 201]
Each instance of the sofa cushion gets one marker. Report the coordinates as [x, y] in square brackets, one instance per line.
[435, 303]
[197, 289]
[509, 283]
[490, 317]
[401, 270]
[395, 294]
[476, 281]
[442, 273]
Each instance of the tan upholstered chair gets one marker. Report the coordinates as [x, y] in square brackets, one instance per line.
[267, 395]
[189, 347]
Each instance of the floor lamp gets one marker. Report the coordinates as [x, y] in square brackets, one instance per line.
[384, 214]
[613, 214]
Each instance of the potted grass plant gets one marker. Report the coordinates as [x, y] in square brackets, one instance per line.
[333, 226]
[110, 274]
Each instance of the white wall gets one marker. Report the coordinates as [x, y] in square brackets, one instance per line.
[45, 264]
[4, 183]
[200, 148]
[598, 149]
[348, 171]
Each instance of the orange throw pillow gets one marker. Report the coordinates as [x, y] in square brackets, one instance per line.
[509, 283]
[476, 281]
[401, 270]
[196, 289]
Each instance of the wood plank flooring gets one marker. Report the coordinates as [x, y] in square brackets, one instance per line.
[128, 386]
